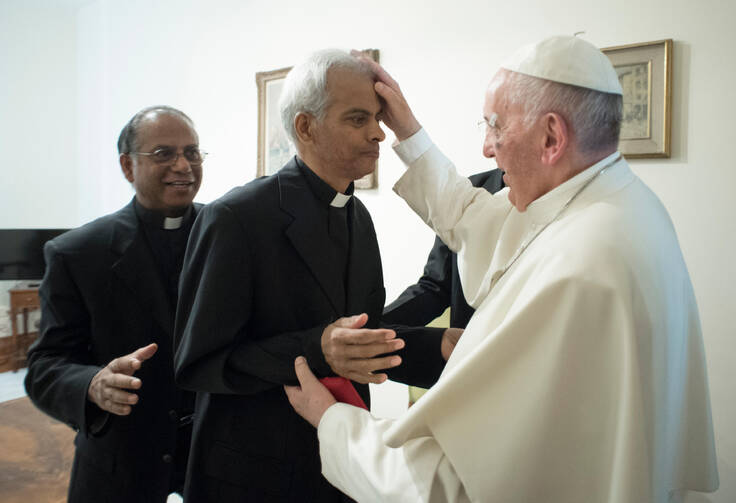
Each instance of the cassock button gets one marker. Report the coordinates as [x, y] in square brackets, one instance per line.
[168, 458]
[173, 415]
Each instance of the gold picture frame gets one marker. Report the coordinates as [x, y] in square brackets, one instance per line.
[645, 73]
[274, 147]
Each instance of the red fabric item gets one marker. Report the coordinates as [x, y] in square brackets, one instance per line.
[343, 391]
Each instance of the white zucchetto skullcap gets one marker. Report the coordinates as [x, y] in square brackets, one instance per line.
[568, 60]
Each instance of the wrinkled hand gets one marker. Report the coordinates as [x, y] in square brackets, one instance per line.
[107, 386]
[396, 112]
[310, 399]
[449, 340]
[351, 350]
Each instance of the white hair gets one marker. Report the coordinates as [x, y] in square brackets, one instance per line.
[305, 87]
[594, 116]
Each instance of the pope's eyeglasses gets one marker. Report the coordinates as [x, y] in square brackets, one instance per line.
[486, 125]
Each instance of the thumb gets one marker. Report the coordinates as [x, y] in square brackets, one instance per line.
[356, 321]
[303, 372]
[144, 353]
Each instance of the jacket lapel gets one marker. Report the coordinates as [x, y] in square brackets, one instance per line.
[365, 273]
[137, 270]
[308, 232]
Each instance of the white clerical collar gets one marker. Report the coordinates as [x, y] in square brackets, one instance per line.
[340, 200]
[171, 223]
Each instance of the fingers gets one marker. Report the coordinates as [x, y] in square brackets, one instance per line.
[354, 353]
[128, 364]
[367, 378]
[122, 381]
[292, 393]
[370, 350]
[391, 97]
[311, 398]
[118, 409]
[362, 371]
[356, 321]
[124, 365]
[380, 73]
[397, 114]
[116, 396]
[363, 336]
[107, 391]
[450, 338]
[107, 388]
[144, 353]
[303, 372]
[385, 79]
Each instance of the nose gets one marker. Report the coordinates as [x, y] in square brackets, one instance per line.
[181, 164]
[377, 133]
[489, 150]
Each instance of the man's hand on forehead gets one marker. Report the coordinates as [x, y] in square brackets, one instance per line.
[396, 112]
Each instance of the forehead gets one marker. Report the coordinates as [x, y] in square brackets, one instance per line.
[351, 89]
[495, 93]
[165, 129]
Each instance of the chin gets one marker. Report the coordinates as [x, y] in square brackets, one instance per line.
[365, 169]
[178, 204]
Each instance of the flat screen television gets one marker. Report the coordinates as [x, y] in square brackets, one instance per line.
[21, 252]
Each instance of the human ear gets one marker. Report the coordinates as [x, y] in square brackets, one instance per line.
[303, 127]
[555, 138]
[126, 164]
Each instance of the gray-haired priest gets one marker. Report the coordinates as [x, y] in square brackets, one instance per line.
[581, 376]
[287, 265]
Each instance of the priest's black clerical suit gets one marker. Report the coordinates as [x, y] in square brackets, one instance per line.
[266, 270]
[109, 289]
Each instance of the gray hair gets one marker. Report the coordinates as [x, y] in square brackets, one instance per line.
[594, 116]
[128, 139]
[305, 87]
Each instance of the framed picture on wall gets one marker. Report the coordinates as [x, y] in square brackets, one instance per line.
[274, 147]
[645, 73]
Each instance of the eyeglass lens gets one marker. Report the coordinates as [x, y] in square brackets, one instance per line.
[168, 154]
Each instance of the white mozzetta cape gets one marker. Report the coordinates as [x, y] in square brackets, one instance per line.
[580, 378]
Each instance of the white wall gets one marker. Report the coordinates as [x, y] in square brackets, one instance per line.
[202, 57]
[38, 111]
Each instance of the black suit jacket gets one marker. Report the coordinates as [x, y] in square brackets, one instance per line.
[257, 290]
[103, 297]
[439, 286]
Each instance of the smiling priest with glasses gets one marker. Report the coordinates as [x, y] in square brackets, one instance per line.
[103, 362]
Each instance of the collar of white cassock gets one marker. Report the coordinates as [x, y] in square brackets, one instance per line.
[550, 204]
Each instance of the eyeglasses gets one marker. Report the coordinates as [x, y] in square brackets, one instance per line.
[485, 125]
[169, 155]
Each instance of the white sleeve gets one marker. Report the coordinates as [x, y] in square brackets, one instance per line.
[467, 219]
[357, 461]
[413, 147]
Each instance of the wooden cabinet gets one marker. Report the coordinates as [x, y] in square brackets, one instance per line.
[23, 300]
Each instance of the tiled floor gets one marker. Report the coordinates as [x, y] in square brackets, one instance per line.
[11, 385]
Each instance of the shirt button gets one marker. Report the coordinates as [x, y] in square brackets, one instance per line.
[167, 458]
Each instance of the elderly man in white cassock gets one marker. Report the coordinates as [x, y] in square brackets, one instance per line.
[581, 376]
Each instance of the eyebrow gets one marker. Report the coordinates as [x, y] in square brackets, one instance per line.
[161, 145]
[360, 111]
